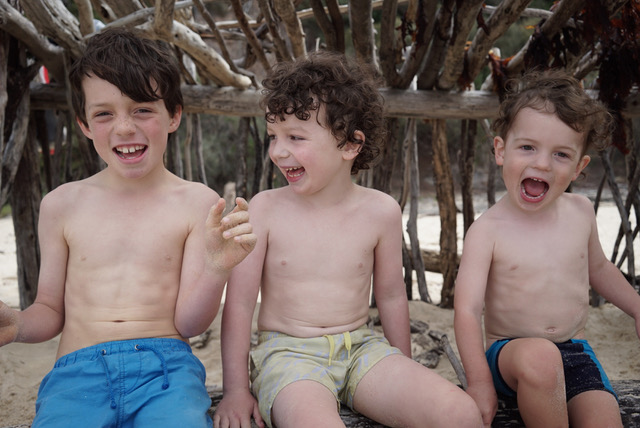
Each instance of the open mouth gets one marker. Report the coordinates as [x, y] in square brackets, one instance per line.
[533, 188]
[294, 172]
[130, 152]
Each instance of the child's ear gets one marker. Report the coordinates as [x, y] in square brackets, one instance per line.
[352, 149]
[175, 120]
[84, 128]
[498, 150]
[581, 166]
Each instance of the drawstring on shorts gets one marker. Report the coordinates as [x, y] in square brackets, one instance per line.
[165, 371]
[163, 363]
[332, 344]
[109, 384]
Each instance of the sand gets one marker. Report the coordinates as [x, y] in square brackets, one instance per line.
[22, 366]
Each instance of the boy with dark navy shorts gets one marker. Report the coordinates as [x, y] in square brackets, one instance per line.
[529, 261]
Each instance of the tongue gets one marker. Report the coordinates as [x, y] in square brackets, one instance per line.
[533, 187]
[130, 155]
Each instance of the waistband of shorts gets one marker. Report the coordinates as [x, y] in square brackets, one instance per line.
[361, 331]
[160, 344]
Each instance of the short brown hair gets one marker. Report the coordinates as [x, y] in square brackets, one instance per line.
[347, 89]
[559, 93]
[144, 70]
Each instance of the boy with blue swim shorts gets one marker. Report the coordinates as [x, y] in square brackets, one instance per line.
[134, 258]
[529, 261]
[324, 243]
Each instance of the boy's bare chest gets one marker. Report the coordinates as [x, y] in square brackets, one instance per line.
[326, 242]
[139, 235]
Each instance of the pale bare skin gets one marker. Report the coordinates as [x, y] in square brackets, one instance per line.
[320, 240]
[133, 251]
[528, 263]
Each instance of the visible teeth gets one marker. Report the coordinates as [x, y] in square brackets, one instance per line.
[291, 170]
[130, 149]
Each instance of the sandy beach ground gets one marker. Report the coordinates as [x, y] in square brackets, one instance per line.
[22, 366]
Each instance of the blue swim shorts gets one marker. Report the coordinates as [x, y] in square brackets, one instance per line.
[141, 383]
[582, 370]
[337, 361]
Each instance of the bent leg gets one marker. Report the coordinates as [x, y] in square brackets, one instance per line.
[533, 368]
[594, 409]
[399, 392]
[306, 403]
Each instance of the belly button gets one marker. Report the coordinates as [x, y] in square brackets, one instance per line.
[551, 329]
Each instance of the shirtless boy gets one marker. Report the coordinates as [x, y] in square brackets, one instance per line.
[321, 238]
[134, 259]
[529, 261]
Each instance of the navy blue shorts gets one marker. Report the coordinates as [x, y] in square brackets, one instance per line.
[582, 370]
[142, 382]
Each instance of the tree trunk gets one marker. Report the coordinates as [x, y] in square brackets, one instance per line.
[384, 170]
[414, 194]
[25, 208]
[447, 207]
[465, 164]
[241, 157]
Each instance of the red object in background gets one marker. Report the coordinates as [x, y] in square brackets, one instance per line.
[44, 75]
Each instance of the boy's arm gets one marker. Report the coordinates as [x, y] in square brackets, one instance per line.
[388, 284]
[44, 319]
[212, 249]
[470, 287]
[238, 404]
[607, 280]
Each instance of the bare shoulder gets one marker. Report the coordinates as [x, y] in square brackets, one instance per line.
[267, 199]
[488, 220]
[377, 202]
[576, 201]
[65, 195]
[191, 195]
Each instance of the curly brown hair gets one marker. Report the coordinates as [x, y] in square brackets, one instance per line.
[144, 70]
[348, 91]
[557, 92]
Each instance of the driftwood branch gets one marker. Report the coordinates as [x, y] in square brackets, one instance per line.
[282, 51]
[252, 39]
[54, 20]
[554, 23]
[465, 18]
[398, 103]
[23, 29]
[362, 32]
[498, 23]
[287, 12]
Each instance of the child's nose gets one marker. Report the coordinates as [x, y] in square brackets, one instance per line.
[278, 149]
[125, 125]
[543, 162]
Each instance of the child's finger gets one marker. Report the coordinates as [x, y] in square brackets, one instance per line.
[241, 205]
[214, 218]
[238, 230]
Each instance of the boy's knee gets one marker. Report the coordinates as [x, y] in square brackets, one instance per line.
[540, 363]
[465, 413]
[459, 410]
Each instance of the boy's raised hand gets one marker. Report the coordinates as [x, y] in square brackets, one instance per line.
[8, 324]
[230, 238]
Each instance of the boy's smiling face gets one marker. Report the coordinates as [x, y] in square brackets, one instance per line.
[307, 154]
[129, 136]
[540, 157]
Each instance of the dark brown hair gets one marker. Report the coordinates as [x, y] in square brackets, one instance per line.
[557, 92]
[144, 70]
[346, 89]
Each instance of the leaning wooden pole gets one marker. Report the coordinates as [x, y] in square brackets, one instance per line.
[447, 207]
